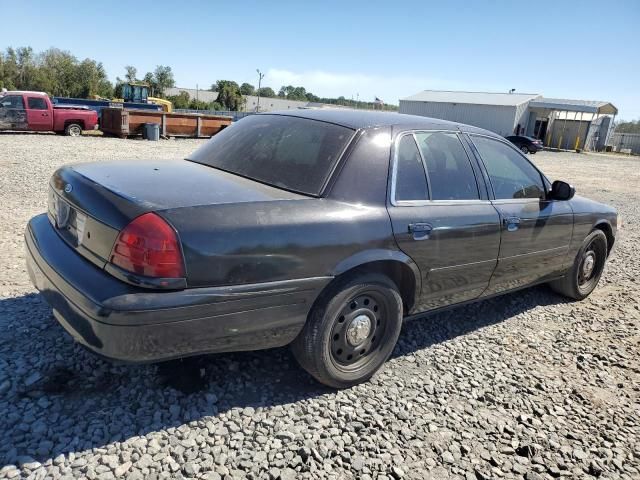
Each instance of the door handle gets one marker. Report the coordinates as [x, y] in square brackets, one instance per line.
[420, 231]
[511, 223]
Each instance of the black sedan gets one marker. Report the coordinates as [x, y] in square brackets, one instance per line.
[526, 144]
[320, 229]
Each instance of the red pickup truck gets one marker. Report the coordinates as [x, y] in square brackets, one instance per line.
[34, 111]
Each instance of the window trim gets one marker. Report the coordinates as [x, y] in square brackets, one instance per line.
[492, 194]
[430, 201]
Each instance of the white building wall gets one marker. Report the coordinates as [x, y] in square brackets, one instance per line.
[521, 117]
[496, 118]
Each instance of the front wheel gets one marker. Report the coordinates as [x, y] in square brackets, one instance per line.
[524, 149]
[586, 270]
[73, 130]
[351, 331]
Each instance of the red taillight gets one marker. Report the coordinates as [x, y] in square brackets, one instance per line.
[149, 246]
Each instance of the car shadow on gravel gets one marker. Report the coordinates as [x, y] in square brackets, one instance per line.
[426, 330]
[57, 398]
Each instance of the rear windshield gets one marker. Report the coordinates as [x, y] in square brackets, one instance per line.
[289, 152]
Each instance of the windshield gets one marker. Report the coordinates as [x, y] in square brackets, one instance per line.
[289, 152]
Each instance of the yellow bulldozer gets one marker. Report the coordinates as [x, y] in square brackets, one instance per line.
[138, 92]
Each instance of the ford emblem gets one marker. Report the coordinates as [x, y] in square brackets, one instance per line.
[68, 188]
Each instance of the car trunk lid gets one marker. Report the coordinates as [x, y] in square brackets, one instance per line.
[89, 204]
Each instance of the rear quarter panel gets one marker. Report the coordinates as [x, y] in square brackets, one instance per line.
[87, 118]
[277, 240]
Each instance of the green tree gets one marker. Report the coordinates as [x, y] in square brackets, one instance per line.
[284, 91]
[312, 98]
[267, 92]
[628, 127]
[150, 80]
[10, 69]
[130, 76]
[58, 74]
[295, 93]
[27, 68]
[198, 105]
[247, 89]
[53, 71]
[163, 79]
[181, 100]
[229, 95]
[92, 80]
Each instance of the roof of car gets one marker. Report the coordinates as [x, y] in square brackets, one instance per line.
[367, 119]
[23, 92]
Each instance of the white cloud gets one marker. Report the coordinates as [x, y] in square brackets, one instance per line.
[367, 87]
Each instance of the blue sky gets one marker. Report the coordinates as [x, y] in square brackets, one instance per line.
[579, 49]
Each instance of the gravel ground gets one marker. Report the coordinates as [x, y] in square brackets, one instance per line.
[527, 385]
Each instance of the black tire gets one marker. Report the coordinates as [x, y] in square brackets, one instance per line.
[325, 347]
[73, 130]
[581, 280]
[524, 149]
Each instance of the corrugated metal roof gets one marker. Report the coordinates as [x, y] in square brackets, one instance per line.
[588, 106]
[475, 98]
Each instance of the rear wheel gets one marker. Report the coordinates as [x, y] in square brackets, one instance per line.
[351, 331]
[586, 270]
[524, 149]
[73, 130]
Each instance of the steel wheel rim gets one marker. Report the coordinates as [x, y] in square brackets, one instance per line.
[589, 267]
[74, 131]
[352, 345]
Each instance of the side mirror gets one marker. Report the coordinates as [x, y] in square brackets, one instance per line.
[562, 190]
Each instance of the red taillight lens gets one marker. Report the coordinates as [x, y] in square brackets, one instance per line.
[149, 246]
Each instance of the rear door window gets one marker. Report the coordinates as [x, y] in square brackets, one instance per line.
[36, 103]
[411, 180]
[449, 169]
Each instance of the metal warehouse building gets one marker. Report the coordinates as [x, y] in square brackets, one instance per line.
[560, 123]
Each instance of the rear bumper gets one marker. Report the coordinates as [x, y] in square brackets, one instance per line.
[127, 323]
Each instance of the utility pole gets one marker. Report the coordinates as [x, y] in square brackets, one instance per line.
[260, 77]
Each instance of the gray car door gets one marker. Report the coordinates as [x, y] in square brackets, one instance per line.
[536, 231]
[442, 217]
